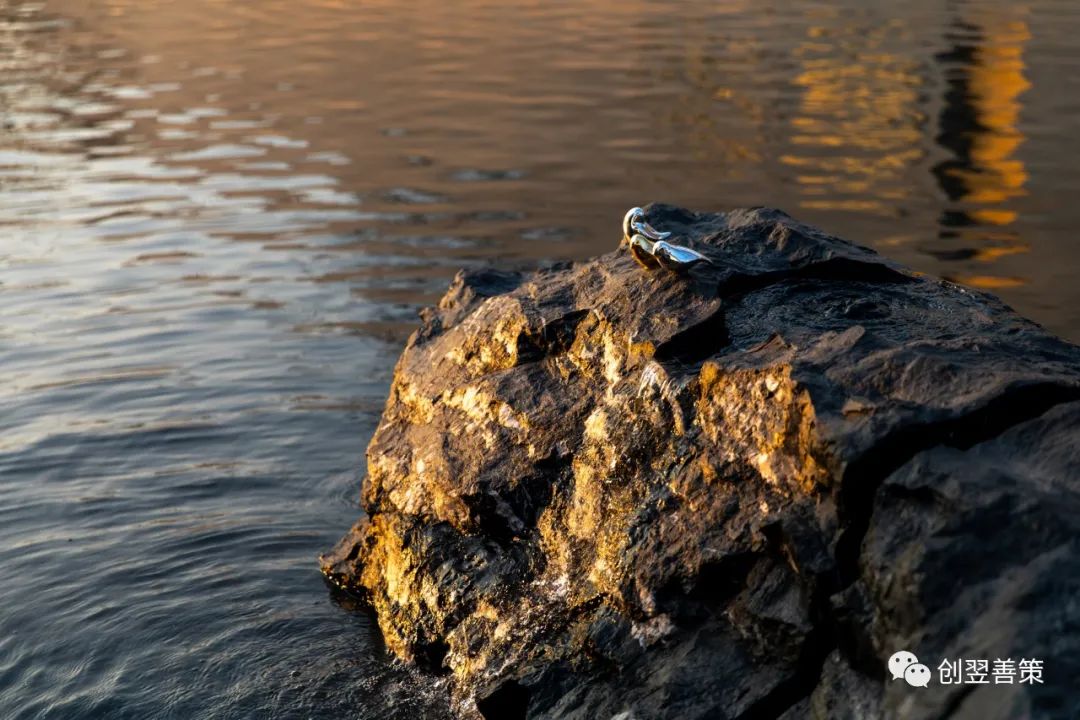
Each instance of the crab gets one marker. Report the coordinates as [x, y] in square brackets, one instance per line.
[650, 248]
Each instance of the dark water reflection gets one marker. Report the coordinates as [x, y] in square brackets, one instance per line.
[217, 221]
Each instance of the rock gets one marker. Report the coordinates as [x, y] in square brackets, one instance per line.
[602, 492]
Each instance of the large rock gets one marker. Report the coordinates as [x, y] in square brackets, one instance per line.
[603, 492]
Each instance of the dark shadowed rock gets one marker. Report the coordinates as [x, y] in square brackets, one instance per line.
[602, 492]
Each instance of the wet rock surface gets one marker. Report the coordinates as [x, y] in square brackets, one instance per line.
[602, 492]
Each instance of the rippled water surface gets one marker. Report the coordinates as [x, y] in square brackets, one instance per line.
[218, 219]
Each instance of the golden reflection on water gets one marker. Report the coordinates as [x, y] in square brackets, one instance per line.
[866, 103]
[995, 82]
[980, 125]
[858, 130]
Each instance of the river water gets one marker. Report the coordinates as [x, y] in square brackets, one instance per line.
[218, 220]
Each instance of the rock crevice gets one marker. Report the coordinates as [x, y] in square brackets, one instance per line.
[598, 491]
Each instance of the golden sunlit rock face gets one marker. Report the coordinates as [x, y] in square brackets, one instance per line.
[598, 488]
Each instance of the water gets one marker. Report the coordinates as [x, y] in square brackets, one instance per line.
[218, 219]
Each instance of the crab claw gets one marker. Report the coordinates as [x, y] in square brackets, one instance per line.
[628, 220]
[649, 231]
[676, 257]
[634, 222]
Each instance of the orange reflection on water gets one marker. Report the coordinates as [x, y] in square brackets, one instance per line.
[857, 135]
[980, 125]
[857, 131]
[995, 82]
[989, 282]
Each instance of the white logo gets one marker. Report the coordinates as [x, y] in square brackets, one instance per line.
[917, 675]
[900, 661]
